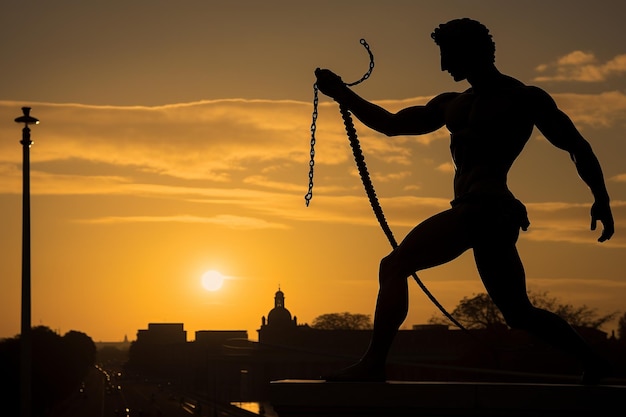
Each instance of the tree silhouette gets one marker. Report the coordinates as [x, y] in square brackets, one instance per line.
[479, 312]
[80, 352]
[342, 321]
[621, 328]
[59, 366]
[9, 376]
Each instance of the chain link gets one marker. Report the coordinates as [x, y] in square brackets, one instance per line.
[371, 67]
[309, 194]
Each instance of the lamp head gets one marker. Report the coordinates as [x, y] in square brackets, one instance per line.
[27, 119]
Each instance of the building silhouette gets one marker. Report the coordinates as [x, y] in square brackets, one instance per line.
[279, 324]
[229, 367]
[279, 316]
[162, 334]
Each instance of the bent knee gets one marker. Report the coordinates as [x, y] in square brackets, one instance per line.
[390, 269]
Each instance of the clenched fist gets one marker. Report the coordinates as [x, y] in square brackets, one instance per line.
[330, 84]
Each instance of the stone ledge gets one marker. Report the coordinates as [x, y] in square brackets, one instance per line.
[313, 398]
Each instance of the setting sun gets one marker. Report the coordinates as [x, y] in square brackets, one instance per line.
[212, 280]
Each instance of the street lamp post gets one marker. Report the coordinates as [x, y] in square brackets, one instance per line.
[26, 334]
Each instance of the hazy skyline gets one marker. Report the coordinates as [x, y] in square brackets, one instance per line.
[175, 140]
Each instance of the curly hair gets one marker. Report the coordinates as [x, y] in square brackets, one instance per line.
[467, 33]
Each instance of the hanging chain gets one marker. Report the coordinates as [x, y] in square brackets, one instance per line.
[309, 194]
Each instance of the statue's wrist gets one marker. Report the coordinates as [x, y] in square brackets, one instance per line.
[602, 197]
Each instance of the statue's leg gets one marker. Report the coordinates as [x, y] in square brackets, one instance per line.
[502, 273]
[435, 241]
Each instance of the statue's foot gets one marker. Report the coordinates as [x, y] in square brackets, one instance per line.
[359, 372]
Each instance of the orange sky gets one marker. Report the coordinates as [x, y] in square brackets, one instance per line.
[175, 139]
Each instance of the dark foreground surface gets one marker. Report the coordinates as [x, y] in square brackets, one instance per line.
[309, 398]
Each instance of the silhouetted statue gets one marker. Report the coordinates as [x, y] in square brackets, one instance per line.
[489, 125]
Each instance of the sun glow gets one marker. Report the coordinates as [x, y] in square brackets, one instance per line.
[212, 280]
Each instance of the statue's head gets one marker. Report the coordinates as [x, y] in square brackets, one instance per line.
[464, 44]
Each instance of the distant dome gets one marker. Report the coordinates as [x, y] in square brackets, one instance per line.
[279, 316]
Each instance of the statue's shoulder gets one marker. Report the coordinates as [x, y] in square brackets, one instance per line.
[444, 99]
[530, 94]
[537, 97]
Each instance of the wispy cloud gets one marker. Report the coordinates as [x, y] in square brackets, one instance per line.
[223, 141]
[447, 167]
[203, 140]
[581, 66]
[605, 109]
[229, 221]
[570, 222]
[248, 161]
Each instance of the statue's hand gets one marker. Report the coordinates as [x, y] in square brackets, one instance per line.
[601, 210]
[330, 83]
